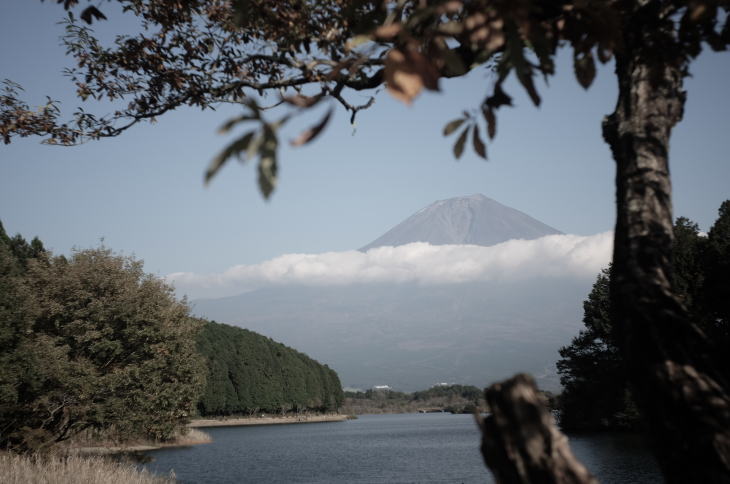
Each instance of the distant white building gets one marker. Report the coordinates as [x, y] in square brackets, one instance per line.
[382, 387]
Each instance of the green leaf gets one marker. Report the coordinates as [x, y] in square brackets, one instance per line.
[460, 143]
[254, 146]
[280, 122]
[267, 174]
[479, 147]
[452, 126]
[267, 167]
[516, 57]
[91, 13]
[585, 68]
[233, 149]
[498, 98]
[491, 120]
[453, 62]
[525, 78]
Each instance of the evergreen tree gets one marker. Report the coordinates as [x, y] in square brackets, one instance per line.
[717, 283]
[596, 393]
[248, 373]
[595, 390]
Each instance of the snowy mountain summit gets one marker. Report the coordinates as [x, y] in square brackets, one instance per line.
[474, 219]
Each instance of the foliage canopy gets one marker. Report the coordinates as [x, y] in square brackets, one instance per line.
[205, 52]
[249, 373]
[91, 342]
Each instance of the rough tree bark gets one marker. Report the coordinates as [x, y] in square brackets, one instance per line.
[520, 443]
[684, 399]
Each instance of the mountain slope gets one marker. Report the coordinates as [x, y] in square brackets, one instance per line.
[475, 219]
[411, 336]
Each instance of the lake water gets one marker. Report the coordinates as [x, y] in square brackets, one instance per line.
[405, 448]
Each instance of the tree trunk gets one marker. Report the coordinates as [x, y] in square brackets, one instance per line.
[682, 397]
[520, 443]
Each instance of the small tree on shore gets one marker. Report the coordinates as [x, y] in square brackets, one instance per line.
[92, 342]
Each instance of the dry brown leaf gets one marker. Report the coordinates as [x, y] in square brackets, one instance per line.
[452, 6]
[312, 132]
[407, 72]
[387, 32]
[423, 66]
[402, 80]
[302, 101]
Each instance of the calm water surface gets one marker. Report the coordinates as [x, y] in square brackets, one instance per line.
[409, 448]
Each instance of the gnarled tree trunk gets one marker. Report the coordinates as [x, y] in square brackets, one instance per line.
[520, 442]
[682, 397]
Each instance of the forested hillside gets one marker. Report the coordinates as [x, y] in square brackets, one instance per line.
[446, 398]
[91, 343]
[249, 373]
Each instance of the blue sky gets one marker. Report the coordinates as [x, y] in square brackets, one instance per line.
[143, 192]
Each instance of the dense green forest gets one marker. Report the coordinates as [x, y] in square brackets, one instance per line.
[596, 394]
[91, 343]
[249, 373]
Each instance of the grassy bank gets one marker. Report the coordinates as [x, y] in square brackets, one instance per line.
[23, 469]
[268, 420]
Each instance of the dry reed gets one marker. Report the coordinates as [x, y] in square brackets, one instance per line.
[192, 436]
[21, 469]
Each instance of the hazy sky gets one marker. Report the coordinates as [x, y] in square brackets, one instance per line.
[143, 192]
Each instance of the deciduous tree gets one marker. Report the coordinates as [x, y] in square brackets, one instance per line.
[92, 342]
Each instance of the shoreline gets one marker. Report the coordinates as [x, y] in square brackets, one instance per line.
[193, 437]
[244, 421]
[131, 449]
[201, 437]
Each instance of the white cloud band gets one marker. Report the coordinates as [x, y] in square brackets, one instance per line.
[550, 256]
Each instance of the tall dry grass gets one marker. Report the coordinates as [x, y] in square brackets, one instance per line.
[90, 442]
[192, 436]
[21, 469]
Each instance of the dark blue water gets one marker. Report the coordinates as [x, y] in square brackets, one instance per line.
[409, 448]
